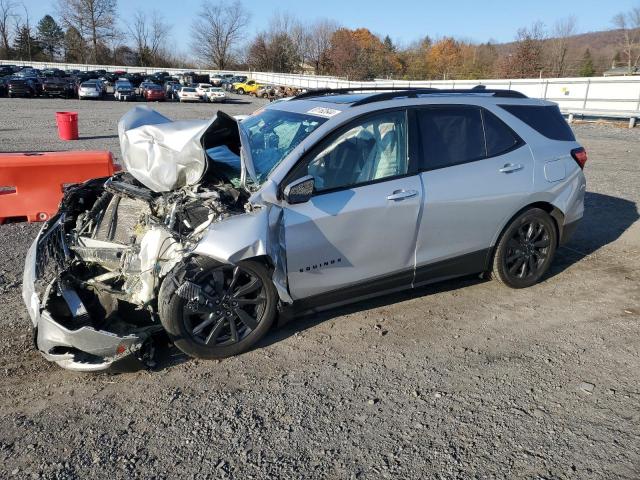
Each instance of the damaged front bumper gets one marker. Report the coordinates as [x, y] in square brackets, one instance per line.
[81, 348]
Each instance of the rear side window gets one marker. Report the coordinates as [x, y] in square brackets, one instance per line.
[500, 138]
[451, 135]
[546, 120]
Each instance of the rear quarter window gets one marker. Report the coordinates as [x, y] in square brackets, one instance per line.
[546, 120]
[500, 138]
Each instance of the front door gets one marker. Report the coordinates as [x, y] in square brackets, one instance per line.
[361, 223]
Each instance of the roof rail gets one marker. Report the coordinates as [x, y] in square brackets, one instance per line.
[389, 93]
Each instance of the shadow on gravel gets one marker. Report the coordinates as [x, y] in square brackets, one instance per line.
[301, 323]
[233, 101]
[98, 137]
[605, 219]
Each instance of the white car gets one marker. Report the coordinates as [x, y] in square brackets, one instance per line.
[189, 94]
[215, 95]
[202, 88]
[91, 89]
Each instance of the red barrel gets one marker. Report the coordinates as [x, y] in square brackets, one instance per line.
[67, 125]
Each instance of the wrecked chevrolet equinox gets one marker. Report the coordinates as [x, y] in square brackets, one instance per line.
[216, 228]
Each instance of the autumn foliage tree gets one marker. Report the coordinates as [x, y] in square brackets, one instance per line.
[526, 59]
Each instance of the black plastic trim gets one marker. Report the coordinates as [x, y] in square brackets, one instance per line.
[468, 264]
[390, 93]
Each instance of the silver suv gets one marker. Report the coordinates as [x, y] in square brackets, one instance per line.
[218, 227]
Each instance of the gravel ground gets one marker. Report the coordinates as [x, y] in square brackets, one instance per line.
[466, 379]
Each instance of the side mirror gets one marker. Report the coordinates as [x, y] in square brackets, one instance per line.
[300, 190]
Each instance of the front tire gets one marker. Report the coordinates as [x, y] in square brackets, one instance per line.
[526, 249]
[212, 310]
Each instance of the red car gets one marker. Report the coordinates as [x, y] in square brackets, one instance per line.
[154, 93]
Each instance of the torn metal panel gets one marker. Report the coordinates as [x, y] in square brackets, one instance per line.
[161, 154]
[165, 155]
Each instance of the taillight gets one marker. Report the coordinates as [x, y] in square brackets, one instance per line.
[580, 156]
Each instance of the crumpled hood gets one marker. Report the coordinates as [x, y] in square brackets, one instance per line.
[162, 154]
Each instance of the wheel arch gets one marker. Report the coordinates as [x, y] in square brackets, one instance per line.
[556, 214]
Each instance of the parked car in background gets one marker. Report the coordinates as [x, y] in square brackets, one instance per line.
[53, 72]
[214, 95]
[58, 87]
[5, 71]
[168, 88]
[201, 88]
[3, 87]
[173, 91]
[123, 90]
[189, 94]
[154, 93]
[143, 87]
[228, 83]
[266, 91]
[246, 87]
[23, 87]
[135, 78]
[90, 89]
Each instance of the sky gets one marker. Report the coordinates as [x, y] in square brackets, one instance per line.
[476, 20]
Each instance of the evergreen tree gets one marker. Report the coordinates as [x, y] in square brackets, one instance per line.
[50, 36]
[388, 44]
[74, 46]
[25, 46]
[587, 69]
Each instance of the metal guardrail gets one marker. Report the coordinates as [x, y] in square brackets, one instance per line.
[610, 94]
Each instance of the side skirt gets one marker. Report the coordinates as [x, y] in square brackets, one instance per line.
[471, 263]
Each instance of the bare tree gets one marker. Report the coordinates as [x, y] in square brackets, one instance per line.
[320, 34]
[629, 24]
[149, 33]
[559, 45]
[525, 60]
[94, 19]
[217, 31]
[7, 15]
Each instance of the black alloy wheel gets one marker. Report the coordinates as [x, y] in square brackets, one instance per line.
[217, 310]
[526, 249]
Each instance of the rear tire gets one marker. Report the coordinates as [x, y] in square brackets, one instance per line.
[526, 249]
[235, 307]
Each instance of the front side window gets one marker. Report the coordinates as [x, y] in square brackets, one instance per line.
[372, 149]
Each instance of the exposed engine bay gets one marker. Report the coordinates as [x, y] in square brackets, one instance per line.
[99, 262]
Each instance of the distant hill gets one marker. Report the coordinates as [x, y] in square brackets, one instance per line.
[603, 46]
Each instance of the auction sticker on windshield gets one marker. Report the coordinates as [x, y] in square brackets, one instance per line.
[324, 112]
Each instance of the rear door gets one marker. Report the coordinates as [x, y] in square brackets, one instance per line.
[361, 223]
[477, 173]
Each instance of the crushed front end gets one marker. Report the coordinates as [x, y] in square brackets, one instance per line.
[92, 275]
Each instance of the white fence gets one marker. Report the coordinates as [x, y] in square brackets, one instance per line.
[619, 95]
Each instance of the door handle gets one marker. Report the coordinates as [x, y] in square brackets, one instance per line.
[402, 194]
[511, 167]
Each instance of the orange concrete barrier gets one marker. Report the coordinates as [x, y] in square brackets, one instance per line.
[31, 184]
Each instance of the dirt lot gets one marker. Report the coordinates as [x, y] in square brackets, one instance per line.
[466, 379]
